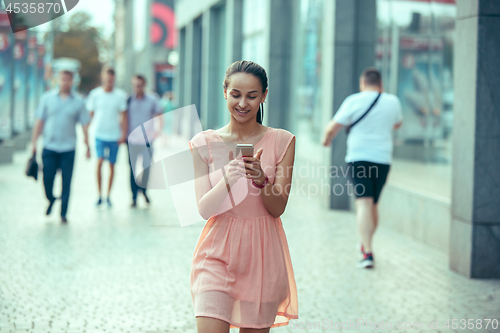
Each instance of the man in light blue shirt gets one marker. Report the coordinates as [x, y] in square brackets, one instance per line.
[57, 115]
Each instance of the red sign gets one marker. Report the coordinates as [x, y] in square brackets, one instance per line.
[4, 42]
[163, 31]
[4, 21]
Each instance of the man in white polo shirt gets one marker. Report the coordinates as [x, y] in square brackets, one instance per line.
[108, 109]
[370, 115]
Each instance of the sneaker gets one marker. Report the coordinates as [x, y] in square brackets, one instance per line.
[99, 202]
[134, 204]
[146, 197]
[109, 202]
[64, 219]
[367, 261]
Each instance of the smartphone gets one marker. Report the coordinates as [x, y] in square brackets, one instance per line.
[245, 149]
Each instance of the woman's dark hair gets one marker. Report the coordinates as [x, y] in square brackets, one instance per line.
[248, 67]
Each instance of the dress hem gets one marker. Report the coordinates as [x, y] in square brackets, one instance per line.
[234, 325]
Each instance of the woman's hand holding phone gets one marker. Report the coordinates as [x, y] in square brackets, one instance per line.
[234, 172]
[252, 169]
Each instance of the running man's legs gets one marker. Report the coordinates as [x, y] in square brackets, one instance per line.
[375, 215]
[366, 221]
[371, 178]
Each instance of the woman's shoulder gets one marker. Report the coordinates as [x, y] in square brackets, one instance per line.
[202, 137]
[281, 133]
[206, 132]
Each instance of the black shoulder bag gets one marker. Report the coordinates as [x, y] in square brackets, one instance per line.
[348, 128]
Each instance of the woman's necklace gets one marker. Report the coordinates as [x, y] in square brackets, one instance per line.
[249, 136]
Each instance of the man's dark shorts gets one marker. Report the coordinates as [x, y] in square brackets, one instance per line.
[368, 178]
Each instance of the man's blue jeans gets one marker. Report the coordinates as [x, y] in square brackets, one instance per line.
[52, 161]
[134, 152]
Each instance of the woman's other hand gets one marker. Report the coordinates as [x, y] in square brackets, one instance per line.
[251, 168]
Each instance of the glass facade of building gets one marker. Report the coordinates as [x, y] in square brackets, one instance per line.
[308, 95]
[415, 54]
[254, 29]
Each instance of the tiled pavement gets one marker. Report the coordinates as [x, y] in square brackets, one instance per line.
[125, 270]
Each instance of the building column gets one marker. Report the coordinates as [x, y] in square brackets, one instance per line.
[180, 75]
[206, 60]
[191, 81]
[475, 226]
[279, 69]
[188, 65]
[355, 26]
[129, 45]
[234, 31]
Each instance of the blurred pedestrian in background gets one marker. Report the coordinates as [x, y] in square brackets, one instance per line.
[108, 106]
[168, 104]
[370, 115]
[57, 115]
[142, 107]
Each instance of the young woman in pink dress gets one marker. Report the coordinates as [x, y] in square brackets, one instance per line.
[242, 274]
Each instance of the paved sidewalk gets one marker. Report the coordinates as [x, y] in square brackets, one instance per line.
[124, 270]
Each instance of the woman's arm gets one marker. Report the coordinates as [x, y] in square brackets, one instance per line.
[274, 196]
[210, 200]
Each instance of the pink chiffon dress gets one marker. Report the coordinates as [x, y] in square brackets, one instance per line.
[241, 270]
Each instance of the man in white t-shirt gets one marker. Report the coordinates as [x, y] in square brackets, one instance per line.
[370, 115]
[108, 109]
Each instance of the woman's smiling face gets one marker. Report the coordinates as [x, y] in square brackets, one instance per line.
[244, 95]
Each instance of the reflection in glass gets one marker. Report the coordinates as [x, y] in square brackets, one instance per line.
[414, 53]
[308, 106]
